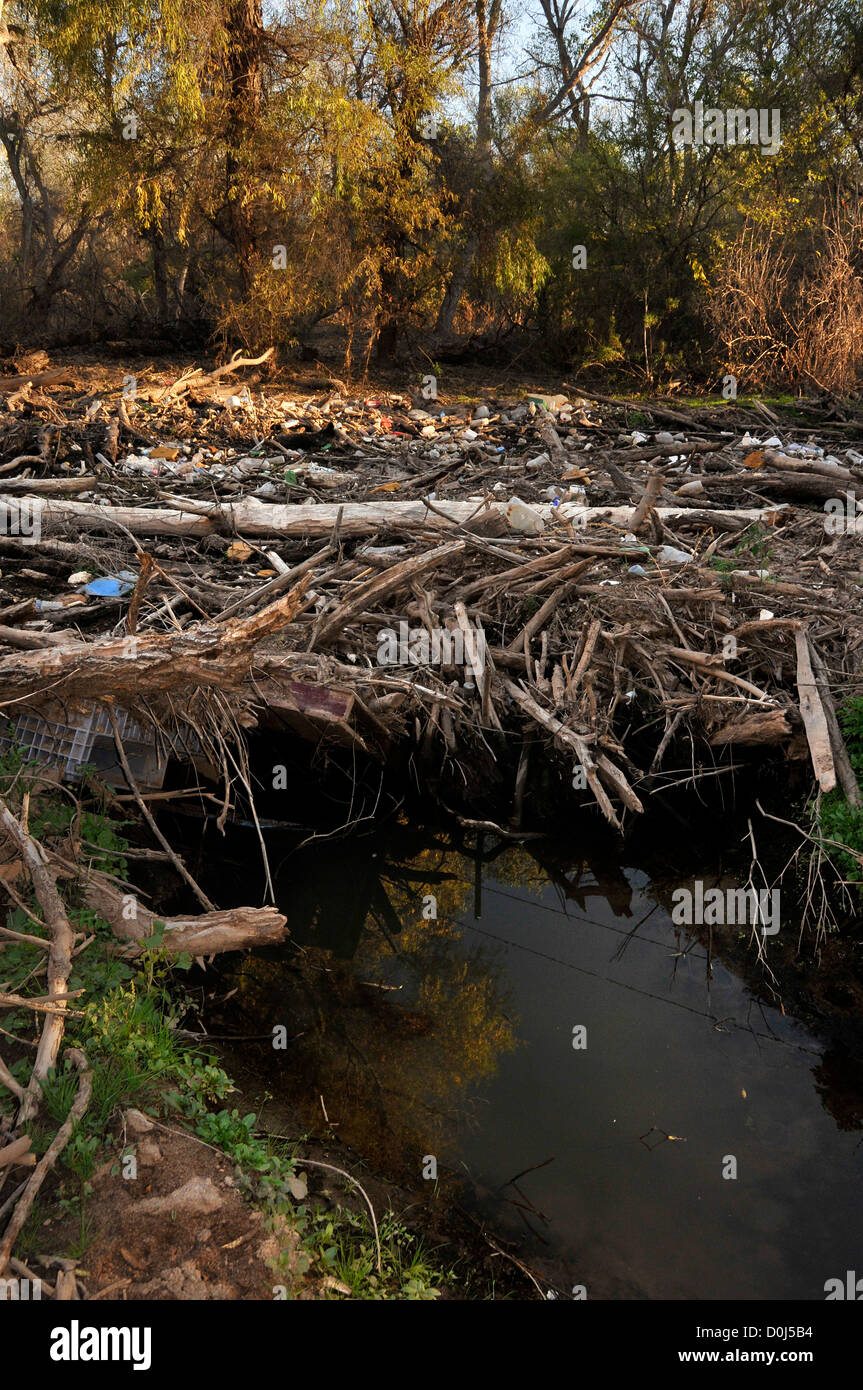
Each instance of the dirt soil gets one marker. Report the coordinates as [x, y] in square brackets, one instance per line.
[179, 1230]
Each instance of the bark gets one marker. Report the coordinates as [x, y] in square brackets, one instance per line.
[254, 518]
[459, 277]
[243, 83]
[814, 718]
[206, 934]
[160, 275]
[49, 378]
[754, 728]
[487, 23]
[215, 655]
[42, 298]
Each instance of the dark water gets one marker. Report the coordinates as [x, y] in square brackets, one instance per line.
[453, 1037]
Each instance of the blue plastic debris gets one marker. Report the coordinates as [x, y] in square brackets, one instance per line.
[112, 585]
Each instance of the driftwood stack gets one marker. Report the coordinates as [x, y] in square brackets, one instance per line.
[686, 582]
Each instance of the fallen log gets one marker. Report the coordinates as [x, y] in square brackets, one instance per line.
[842, 761]
[647, 503]
[50, 1156]
[252, 517]
[782, 484]
[212, 655]
[380, 585]
[198, 378]
[50, 378]
[206, 934]
[46, 487]
[775, 459]
[712, 666]
[62, 942]
[18, 1152]
[581, 748]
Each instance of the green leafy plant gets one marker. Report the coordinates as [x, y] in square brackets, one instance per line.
[838, 819]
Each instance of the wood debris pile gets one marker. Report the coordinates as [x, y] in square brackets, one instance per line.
[379, 567]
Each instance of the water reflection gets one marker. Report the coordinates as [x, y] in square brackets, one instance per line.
[435, 979]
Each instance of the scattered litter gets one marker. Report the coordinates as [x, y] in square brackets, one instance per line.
[239, 550]
[523, 519]
[808, 451]
[670, 555]
[112, 585]
[74, 739]
[530, 503]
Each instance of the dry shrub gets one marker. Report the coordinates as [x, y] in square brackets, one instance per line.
[790, 313]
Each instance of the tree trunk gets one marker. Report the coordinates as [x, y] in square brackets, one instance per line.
[487, 22]
[160, 275]
[443, 329]
[244, 28]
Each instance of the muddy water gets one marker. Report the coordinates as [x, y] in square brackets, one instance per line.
[452, 1036]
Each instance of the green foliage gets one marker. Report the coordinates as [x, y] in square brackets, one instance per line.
[127, 1024]
[344, 1247]
[753, 549]
[843, 824]
[307, 127]
[851, 722]
[838, 820]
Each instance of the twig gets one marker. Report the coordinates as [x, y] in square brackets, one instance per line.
[59, 957]
[313, 1163]
[49, 1158]
[147, 814]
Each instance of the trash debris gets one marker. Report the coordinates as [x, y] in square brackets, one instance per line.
[112, 585]
[70, 743]
[239, 550]
[523, 519]
[670, 555]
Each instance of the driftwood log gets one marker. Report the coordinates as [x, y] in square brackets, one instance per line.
[213, 655]
[206, 934]
[251, 517]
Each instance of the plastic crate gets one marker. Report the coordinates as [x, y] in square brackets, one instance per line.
[86, 736]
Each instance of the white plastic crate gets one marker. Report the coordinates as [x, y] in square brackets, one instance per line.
[86, 736]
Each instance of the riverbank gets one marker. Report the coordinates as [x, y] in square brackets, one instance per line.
[151, 1182]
